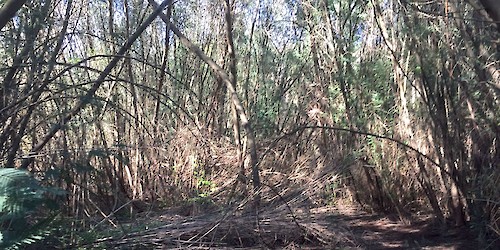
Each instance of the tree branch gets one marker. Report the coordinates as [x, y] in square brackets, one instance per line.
[85, 99]
[8, 11]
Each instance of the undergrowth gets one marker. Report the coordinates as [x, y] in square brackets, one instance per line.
[27, 211]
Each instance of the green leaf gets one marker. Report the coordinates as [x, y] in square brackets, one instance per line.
[21, 195]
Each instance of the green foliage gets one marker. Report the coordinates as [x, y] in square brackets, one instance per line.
[331, 192]
[373, 149]
[266, 116]
[203, 185]
[20, 197]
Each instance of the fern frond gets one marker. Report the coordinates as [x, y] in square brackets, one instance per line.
[20, 196]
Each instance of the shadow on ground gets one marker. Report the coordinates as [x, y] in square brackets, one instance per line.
[375, 231]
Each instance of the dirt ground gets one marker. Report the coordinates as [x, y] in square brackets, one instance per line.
[327, 227]
[376, 231]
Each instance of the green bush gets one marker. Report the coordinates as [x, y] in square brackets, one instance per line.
[26, 211]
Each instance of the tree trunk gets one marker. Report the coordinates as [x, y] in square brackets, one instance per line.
[245, 123]
[9, 10]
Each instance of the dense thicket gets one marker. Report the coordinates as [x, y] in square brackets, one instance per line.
[396, 102]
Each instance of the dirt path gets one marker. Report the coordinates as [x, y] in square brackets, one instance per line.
[374, 231]
[340, 227]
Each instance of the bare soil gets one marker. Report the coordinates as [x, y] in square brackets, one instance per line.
[327, 227]
[377, 231]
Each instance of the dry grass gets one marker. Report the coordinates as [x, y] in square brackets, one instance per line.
[294, 186]
[277, 224]
[303, 188]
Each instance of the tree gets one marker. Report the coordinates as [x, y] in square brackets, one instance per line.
[9, 10]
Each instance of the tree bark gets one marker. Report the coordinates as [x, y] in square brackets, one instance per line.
[8, 11]
[245, 123]
[233, 78]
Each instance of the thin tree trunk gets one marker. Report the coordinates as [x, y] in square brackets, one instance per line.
[9, 10]
[245, 123]
[27, 117]
[86, 99]
[233, 79]
[159, 86]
